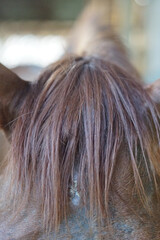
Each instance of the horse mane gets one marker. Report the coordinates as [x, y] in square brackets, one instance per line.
[77, 119]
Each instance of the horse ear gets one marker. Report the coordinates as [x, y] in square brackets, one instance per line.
[154, 92]
[12, 92]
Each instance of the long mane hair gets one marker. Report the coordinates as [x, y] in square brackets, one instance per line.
[80, 120]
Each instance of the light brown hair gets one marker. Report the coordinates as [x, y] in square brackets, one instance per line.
[76, 120]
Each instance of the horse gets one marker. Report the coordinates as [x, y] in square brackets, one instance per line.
[84, 144]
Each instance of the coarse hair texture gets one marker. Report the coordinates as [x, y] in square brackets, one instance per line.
[75, 121]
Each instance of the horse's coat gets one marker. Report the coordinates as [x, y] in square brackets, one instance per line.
[84, 158]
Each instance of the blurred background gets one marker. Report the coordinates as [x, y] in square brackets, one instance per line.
[34, 32]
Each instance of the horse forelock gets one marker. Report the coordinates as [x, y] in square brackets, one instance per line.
[80, 118]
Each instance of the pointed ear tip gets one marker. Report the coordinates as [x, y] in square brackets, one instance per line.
[3, 67]
[154, 90]
[12, 91]
[8, 76]
[11, 83]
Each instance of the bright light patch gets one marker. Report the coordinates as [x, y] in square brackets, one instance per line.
[31, 49]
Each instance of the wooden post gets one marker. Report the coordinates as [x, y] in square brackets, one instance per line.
[153, 39]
